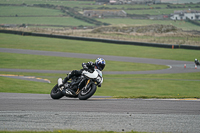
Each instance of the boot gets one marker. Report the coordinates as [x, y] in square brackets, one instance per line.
[61, 83]
[67, 92]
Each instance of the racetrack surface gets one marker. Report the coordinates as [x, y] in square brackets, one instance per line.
[39, 112]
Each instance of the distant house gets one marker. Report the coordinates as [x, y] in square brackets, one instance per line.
[104, 13]
[142, 1]
[112, 2]
[182, 15]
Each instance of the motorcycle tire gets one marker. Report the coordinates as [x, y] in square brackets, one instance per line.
[56, 93]
[85, 94]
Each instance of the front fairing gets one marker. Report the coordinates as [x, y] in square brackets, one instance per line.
[90, 75]
[96, 75]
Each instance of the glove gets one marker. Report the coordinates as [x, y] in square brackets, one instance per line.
[90, 63]
[84, 66]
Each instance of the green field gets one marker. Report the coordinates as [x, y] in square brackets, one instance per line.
[134, 86]
[156, 11]
[32, 13]
[52, 2]
[27, 11]
[75, 46]
[64, 21]
[37, 15]
[44, 16]
[82, 4]
[126, 21]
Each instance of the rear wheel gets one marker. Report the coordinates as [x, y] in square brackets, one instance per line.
[87, 93]
[56, 93]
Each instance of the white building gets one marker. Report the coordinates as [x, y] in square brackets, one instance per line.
[182, 15]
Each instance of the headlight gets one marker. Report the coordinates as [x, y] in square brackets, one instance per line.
[98, 80]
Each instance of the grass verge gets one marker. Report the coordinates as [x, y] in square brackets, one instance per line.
[25, 61]
[120, 86]
[74, 46]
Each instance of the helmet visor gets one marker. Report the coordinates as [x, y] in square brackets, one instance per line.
[101, 66]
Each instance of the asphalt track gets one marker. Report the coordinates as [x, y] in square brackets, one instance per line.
[40, 112]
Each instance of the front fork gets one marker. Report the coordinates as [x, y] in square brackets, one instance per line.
[87, 84]
[78, 90]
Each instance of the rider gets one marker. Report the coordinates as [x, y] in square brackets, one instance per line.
[196, 62]
[90, 66]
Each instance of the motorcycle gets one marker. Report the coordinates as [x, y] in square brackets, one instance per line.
[84, 86]
[196, 62]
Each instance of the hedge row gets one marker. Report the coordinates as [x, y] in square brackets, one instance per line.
[193, 22]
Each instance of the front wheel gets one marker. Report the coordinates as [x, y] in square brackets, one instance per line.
[87, 93]
[56, 93]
